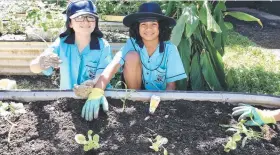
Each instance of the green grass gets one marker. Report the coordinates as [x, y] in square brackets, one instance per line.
[250, 68]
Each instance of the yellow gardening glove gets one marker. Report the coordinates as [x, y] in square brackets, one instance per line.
[260, 117]
[92, 105]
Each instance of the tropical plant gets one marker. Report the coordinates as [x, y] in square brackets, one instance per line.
[200, 35]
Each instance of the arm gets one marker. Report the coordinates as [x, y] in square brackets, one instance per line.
[171, 86]
[276, 114]
[108, 73]
[49, 58]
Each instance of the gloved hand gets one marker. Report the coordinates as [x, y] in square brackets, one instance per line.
[92, 105]
[260, 117]
[84, 89]
[49, 60]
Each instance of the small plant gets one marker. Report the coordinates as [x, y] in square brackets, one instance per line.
[239, 130]
[91, 143]
[7, 109]
[127, 95]
[157, 144]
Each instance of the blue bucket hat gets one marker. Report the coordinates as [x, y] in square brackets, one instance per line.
[81, 7]
[148, 11]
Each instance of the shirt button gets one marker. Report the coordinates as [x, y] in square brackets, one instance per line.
[146, 82]
[148, 61]
[147, 73]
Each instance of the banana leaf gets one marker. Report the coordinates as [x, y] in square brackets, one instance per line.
[209, 72]
[244, 16]
[196, 77]
[184, 49]
[192, 20]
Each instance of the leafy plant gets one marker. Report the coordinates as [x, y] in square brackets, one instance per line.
[157, 144]
[91, 143]
[240, 129]
[200, 35]
[48, 17]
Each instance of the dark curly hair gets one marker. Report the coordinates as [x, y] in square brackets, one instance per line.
[164, 32]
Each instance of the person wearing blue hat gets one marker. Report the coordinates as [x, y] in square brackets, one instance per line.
[80, 52]
[148, 59]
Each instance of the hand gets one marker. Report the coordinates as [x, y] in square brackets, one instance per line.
[260, 117]
[84, 89]
[49, 60]
[92, 105]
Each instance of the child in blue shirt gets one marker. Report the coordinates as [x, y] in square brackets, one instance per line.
[80, 52]
[148, 59]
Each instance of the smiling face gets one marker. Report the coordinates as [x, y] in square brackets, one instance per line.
[84, 24]
[149, 30]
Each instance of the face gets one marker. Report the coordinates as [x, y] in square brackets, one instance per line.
[83, 24]
[149, 30]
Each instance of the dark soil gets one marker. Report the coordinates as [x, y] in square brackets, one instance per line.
[266, 37]
[192, 128]
[34, 82]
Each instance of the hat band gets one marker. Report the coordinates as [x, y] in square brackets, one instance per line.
[147, 19]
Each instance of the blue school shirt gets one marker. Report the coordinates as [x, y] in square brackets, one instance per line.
[164, 66]
[77, 67]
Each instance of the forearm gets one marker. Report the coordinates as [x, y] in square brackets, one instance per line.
[276, 114]
[35, 66]
[107, 75]
[171, 86]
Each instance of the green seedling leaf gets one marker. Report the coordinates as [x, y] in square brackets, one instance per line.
[80, 139]
[165, 152]
[244, 141]
[231, 129]
[95, 138]
[236, 137]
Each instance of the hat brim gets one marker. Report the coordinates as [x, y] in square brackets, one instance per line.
[135, 17]
[82, 13]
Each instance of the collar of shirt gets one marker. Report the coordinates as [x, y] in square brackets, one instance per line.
[161, 46]
[94, 42]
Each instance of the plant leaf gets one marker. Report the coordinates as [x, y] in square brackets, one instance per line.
[244, 16]
[197, 81]
[80, 139]
[211, 23]
[178, 30]
[192, 20]
[165, 151]
[244, 141]
[209, 72]
[229, 25]
[95, 138]
[236, 137]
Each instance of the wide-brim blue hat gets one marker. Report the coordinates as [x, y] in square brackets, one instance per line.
[81, 7]
[149, 10]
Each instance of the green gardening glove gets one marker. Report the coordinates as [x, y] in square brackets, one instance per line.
[260, 117]
[92, 105]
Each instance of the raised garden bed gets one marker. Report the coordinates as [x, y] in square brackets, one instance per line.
[49, 127]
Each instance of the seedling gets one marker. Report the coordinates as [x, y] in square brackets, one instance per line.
[91, 143]
[127, 95]
[240, 129]
[7, 109]
[157, 144]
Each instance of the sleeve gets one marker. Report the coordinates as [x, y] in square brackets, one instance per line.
[53, 48]
[130, 45]
[105, 58]
[175, 68]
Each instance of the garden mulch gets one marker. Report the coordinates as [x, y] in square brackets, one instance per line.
[192, 128]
